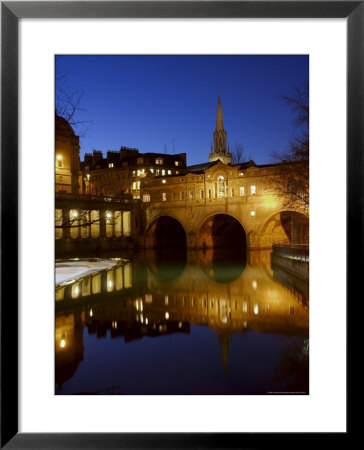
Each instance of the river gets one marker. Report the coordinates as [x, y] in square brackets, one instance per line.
[207, 322]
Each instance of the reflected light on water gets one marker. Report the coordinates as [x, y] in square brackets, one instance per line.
[241, 332]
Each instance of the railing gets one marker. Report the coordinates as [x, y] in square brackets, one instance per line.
[292, 250]
[101, 198]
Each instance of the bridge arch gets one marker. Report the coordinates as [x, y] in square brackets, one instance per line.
[165, 232]
[285, 225]
[221, 230]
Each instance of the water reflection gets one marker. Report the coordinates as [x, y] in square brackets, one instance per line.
[223, 266]
[206, 325]
[167, 264]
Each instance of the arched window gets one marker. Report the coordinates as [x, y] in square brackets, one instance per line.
[220, 187]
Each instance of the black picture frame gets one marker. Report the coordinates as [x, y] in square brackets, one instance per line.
[11, 12]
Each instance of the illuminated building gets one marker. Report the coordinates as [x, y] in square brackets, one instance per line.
[121, 172]
[67, 158]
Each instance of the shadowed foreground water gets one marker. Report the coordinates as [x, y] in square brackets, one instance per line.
[209, 322]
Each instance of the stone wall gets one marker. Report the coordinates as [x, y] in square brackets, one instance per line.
[295, 267]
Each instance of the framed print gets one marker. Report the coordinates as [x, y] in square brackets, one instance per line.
[181, 247]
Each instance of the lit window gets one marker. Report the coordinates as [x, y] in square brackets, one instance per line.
[138, 173]
[241, 191]
[134, 185]
[163, 172]
[157, 172]
[220, 187]
[164, 181]
[151, 170]
[177, 163]
[252, 190]
[109, 224]
[138, 185]
[146, 197]
[59, 161]
[169, 172]
[159, 161]
[164, 196]
[111, 165]
[95, 223]
[59, 220]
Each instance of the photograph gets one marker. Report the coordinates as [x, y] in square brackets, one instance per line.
[181, 224]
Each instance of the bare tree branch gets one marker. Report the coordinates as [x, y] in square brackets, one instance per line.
[237, 154]
[68, 101]
[293, 178]
[83, 219]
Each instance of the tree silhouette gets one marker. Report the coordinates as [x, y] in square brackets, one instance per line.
[68, 101]
[293, 178]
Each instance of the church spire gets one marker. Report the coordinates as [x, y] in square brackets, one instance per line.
[219, 119]
[220, 152]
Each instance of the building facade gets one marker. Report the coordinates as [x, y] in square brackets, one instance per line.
[121, 172]
[67, 158]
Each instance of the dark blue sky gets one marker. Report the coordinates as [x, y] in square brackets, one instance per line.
[150, 102]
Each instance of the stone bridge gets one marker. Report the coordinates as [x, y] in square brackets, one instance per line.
[218, 207]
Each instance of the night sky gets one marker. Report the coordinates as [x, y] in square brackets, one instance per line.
[155, 103]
